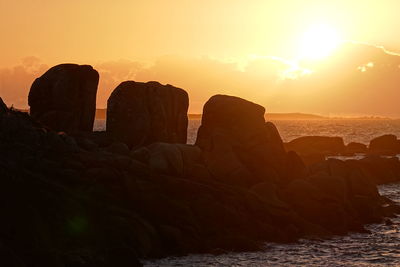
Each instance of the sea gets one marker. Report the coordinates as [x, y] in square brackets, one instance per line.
[380, 247]
[352, 130]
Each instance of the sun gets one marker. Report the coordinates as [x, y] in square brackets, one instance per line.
[318, 42]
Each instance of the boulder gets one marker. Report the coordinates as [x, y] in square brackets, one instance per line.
[237, 142]
[384, 145]
[139, 114]
[64, 98]
[382, 170]
[307, 145]
[355, 147]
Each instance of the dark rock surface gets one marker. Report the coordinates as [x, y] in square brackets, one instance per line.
[144, 113]
[3, 107]
[64, 98]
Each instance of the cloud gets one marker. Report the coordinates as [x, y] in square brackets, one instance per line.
[16, 81]
[359, 79]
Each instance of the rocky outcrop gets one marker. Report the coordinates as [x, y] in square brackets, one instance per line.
[89, 200]
[64, 98]
[139, 114]
[384, 145]
[238, 145]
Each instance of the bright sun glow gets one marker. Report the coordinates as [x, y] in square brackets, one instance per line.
[318, 42]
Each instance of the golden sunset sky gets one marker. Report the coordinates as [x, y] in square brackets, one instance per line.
[311, 56]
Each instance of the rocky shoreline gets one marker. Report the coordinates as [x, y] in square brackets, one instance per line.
[72, 197]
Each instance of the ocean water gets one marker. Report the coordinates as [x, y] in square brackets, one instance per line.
[379, 248]
[351, 130]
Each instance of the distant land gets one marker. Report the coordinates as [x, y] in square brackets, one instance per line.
[102, 113]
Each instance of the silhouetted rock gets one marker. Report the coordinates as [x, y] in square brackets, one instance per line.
[382, 170]
[139, 114]
[237, 143]
[87, 200]
[64, 98]
[355, 147]
[385, 145]
[316, 145]
[3, 107]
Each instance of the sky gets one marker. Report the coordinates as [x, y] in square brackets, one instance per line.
[267, 51]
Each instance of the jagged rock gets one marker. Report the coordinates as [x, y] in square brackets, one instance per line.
[384, 145]
[307, 145]
[139, 114]
[236, 142]
[64, 98]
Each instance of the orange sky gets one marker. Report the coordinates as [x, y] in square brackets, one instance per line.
[206, 47]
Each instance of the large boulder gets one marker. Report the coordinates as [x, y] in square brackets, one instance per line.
[386, 144]
[308, 145]
[355, 147]
[139, 114]
[237, 143]
[64, 98]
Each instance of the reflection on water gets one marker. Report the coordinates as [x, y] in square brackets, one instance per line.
[379, 248]
[351, 130]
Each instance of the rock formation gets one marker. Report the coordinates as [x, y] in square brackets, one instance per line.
[144, 113]
[355, 147]
[64, 98]
[385, 144]
[308, 145]
[88, 200]
[238, 145]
